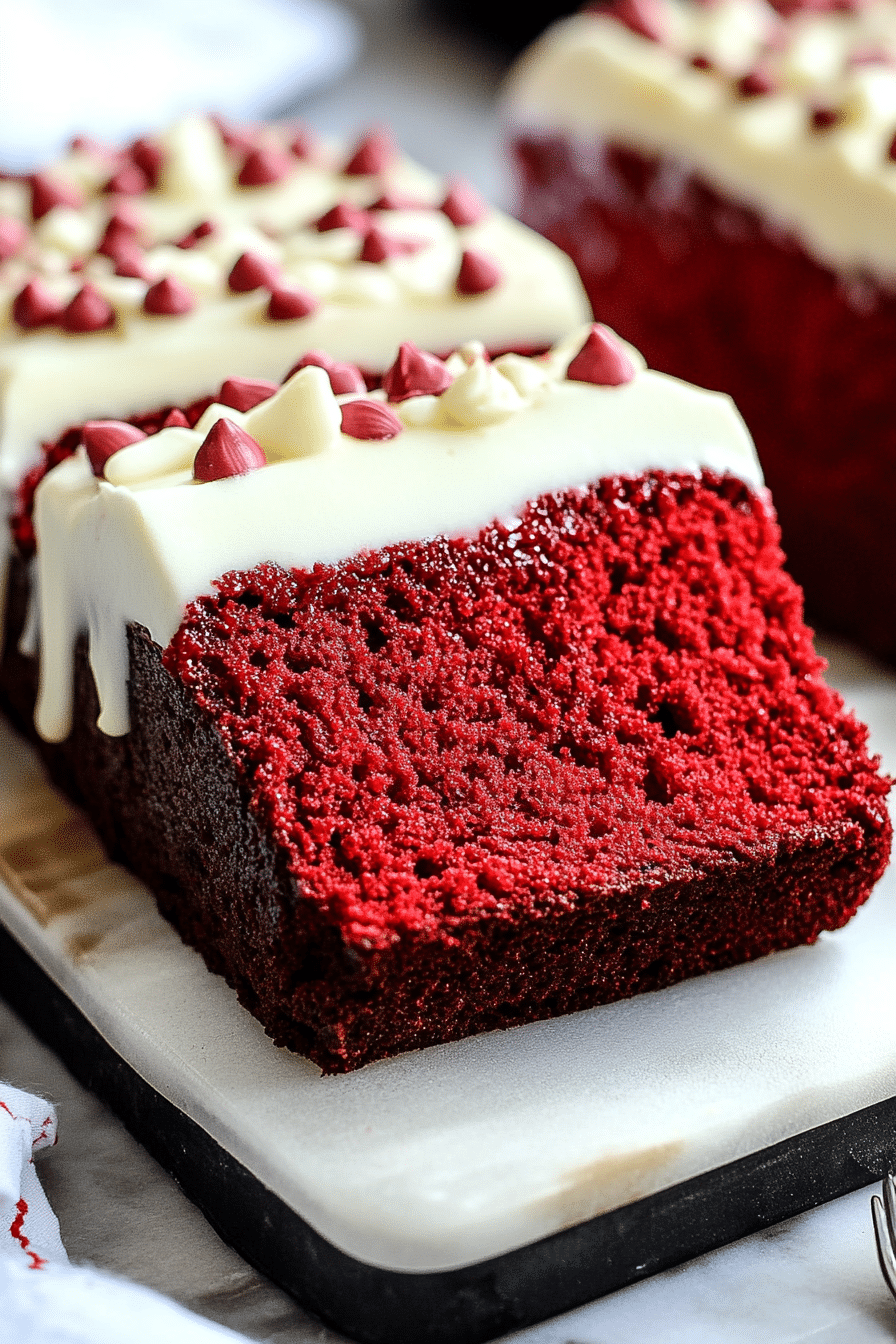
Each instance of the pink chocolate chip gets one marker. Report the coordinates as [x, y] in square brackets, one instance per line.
[303, 143]
[88, 311]
[103, 438]
[643, 17]
[128, 180]
[12, 237]
[263, 166]
[175, 419]
[372, 154]
[393, 200]
[478, 273]
[169, 297]
[47, 191]
[343, 216]
[365, 419]
[34, 306]
[602, 360]
[824, 118]
[463, 205]
[756, 83]
[149, 158]
[379, 246]
[343, 377]
[202, 230]
[244, 393]
[414, 374]
[286, 305]
[253, 272]
[129, 259]
[227, 450]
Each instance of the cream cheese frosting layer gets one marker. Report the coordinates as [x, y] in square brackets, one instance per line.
[500, 435]
[812, 153]
[388, 275]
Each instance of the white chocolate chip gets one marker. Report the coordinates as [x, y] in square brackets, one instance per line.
[195, 164]
[161, 454]
[481, 396]
[300, 419]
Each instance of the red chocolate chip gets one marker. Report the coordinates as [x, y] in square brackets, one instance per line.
[365, 419]
[463, 205]
[175, 419]
[755, 84]
[149, 158]
[379, 246]
[286, 305]
[478, 273]
[202, 230]
[393, 200]
[235, 137]
[12, 236]
[303, 143]
[343, 377]
[48, 191]
[227, 450]
[129, 259]
[253, 272]
[169, 298]
[344, 216]
[86, 144]
[372, 155]
[103, 438]
[602, 360]
[244, 393]
[643, 17]
[263, 166]
[128, 180]
[34, 306]
[824, 118]
[414, 374]
[891, 152]
[88, 311]
[701, 62]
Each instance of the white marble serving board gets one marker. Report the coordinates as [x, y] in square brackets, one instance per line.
[454, 1154]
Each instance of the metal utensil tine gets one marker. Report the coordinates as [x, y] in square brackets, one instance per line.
[885, 1253]
[889, 1193]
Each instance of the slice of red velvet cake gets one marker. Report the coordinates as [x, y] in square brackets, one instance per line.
[723, 175]
[503, 708]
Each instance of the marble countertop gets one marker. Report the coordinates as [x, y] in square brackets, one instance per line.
[814, 1277]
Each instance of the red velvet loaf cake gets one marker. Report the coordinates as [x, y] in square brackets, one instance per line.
[503, 708]
[723, 176]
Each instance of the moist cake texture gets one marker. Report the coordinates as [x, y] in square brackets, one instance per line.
[723, 177]
[481, 773]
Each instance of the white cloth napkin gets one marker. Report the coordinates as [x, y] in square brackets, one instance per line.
[43, 1299]
[29, 1231]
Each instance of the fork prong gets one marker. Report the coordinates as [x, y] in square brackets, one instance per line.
[885, 1252]
[889, 1192]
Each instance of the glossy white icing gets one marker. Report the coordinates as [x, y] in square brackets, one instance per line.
[592, 77]
[50, 379]
[109, 554]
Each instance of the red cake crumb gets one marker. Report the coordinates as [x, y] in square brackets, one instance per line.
[707, 292]
[603, 715]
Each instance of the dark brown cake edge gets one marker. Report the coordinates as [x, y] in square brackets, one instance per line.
[167, 801]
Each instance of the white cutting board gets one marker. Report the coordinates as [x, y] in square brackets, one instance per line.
[457, 1153]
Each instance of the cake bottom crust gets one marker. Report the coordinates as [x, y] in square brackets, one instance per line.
[713, 293]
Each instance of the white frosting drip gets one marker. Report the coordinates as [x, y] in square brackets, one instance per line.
[590, 76]
[50, 380]
[109, 554]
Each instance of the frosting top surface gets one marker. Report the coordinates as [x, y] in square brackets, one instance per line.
[115, 303]
[792, 114]
[142, 542]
